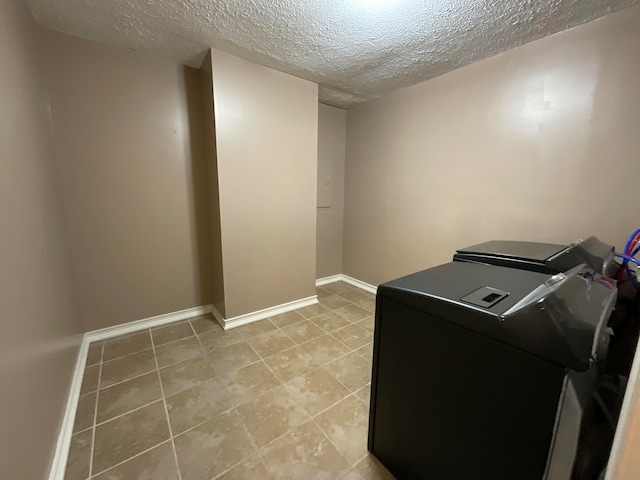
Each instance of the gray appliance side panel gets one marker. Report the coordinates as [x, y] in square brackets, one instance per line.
[577, 392]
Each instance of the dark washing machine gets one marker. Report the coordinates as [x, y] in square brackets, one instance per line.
[542, 257]
[482, 372]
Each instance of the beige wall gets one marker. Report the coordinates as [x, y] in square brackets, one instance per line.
[266, 133]
[38, 342]
[332, 130]
[129, 135]
[540, 143]
[213, 191]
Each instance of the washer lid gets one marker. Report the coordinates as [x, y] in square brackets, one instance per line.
[539, 252]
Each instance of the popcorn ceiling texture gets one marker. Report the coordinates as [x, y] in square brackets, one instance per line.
[355, 50]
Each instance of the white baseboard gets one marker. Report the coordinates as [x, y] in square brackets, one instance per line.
[360, 284]
[157, 321]
[240, 320]
[217, 315]
[330, 279]
[347, 279]
[61, 454]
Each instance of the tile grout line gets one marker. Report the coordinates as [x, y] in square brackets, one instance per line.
[296, 344]
[150, 348]
[234, 407]
[261, 358]
[129, 411]
[149, 371]
[351, 350]
[350, 467]
[166, 410]
[282, 384]
[351, 394]
[95, 412]
[131, 458]
[311, 417]
[340, 381]
[126, 380]
[217, 375]
[255, 448]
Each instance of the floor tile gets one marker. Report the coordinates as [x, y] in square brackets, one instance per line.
[312, 310]
[368, 323]
[271, 415]
[346, 424]
[256, 328]
[124, 368]
[78, 461]
[246, 383]
[368, 304]
[303, 332]
[224, 404]
[233, 357]
[90, 379]
[187, 374]
[316, 390]
[291, 363]
[303, 453]
[330, 322]
[212, 448]
[214, 340]
[321, 292]
[205, 323]
[364, 394]
[270, 343]
[352, 371]
[353, 313]
[285, 319]
[171, 333]
[353, 336]
[126, 396]
[366, 352]
[179, 351]
[129, 435]
[325, 349]
[197, 405]
[126, 345]
[371, 469]
[356, 295]
[352, 475]
[249, 469]
[85, 412]
[338, 287]
[94, 355]
[333, 301]
[156, 464]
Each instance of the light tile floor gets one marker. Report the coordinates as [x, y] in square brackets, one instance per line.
[282, 398]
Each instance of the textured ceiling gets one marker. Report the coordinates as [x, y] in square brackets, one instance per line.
[355, 49]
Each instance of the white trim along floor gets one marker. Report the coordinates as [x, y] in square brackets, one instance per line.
[61, 453]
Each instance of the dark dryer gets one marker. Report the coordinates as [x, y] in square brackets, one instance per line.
[541, 257]
[482, 372]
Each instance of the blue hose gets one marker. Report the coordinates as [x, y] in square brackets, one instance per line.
[628, 244]
[628, 258]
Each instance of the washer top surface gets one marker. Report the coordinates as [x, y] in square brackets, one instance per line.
[515, 249]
